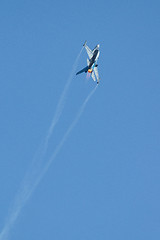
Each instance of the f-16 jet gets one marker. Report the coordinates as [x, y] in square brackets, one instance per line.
[92, 62]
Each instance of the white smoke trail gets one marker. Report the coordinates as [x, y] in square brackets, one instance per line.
[36, 164]
[29, 187]
[58, 148]
[61, 102]
[31, 184]
[30, 180]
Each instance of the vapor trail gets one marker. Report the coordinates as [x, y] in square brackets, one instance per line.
[61, 102]
[29, 187]
[58, 148]
[31, 184]
[37, 160]
[32, 177]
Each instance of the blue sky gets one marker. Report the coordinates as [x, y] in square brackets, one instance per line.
[104, 183]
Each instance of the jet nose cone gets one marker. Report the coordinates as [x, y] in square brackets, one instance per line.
[98, 45]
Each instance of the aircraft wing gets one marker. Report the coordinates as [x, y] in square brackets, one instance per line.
[96, 73]
[93, 76]
[83, 70]
[89, 51]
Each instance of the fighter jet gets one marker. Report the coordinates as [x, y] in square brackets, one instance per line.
[92, 62]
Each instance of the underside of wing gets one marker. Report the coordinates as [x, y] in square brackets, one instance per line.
[96, 73]
[93, 76]
[89, 51]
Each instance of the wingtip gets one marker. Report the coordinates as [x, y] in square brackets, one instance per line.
[98, 81]
[84, 43]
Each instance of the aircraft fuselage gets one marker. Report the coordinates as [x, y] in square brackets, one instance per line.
[94, 59]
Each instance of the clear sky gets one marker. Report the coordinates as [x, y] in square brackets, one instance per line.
[105, 181]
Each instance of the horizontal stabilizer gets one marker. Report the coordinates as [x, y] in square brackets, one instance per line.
[83, 70]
